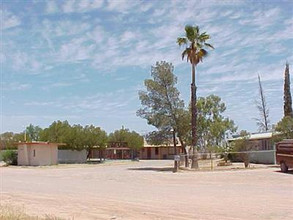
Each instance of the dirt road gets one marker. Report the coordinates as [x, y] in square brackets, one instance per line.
[148, 190]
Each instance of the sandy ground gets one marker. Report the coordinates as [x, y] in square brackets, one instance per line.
[148, 190]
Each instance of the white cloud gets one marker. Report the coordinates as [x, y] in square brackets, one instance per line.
[51, 7]
[23, 61]
[122, 6]
[128, 36]
[2, 58]
[13, 86]
[8, 20]
[64, 28]
[81, 6]
[68, 6]
[35, 103]
[98, 34]
[75, 50]
[262, 19]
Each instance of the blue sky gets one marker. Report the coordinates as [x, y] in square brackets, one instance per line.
[85, 61]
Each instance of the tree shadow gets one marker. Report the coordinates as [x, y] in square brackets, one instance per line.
[156, 169]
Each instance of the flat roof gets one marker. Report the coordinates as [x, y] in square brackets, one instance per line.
[39, 143]
[117, 148]
[255, 136]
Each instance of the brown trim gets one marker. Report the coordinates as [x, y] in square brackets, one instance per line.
[40, 143]
[117, 148]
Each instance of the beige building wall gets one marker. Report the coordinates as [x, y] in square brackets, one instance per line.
[22, 156]
[160, 153]
[37, 154]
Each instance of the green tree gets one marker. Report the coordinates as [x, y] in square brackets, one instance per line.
[7, 140]
[194, 52]
[284, 129]
[33, 132]
[95, 137]
[212, 125]
[160, 137]
[242, 144]
[56, 132]
[287, 94]
[162, 106]
[132, 139]
[74, 137]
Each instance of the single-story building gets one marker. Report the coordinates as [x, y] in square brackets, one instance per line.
[37, 153]
[158, 152]
[262, 142]
[118, 150]
[258, 141]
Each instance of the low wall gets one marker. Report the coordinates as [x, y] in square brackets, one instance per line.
[264, 157]
[72, 156]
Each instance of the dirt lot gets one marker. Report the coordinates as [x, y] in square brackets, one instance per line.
[147, 190]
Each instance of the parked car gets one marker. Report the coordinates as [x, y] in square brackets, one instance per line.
[284, 154]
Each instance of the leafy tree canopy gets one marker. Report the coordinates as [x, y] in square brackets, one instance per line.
[8, 140]
[212, 125]
[161, 102]
[33, 132]
[284, 129]
[131, 138]
[75, 136]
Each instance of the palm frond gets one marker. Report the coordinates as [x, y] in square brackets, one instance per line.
[189, 32]
[186, 53]
[202, 53]
[196, 29]
[198, 45]
[203, 37]
[181, 41]
[209, 45]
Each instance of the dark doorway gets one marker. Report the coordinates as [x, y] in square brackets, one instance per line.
[149, 153]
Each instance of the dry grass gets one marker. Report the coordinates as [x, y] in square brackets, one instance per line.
[9, 212]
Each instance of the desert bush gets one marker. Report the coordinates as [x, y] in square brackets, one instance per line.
[242, 145]
[9, 212]
[9, 157]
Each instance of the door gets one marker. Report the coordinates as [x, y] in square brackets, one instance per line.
[149, 153]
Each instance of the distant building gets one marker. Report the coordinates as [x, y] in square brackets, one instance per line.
[37, 153]
[262, 142]
[120, 150]
[157, 152]
[258, 141]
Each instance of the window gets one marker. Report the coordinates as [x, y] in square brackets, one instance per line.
[34, 152]
[156, 151]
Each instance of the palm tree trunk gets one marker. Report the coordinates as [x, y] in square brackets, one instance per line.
[194, 163]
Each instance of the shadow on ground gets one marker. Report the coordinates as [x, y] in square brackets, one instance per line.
[289, 172]
[157, 169]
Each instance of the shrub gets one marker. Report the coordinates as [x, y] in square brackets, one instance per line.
[9, 157]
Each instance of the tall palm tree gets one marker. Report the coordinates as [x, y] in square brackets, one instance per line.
[194, 52]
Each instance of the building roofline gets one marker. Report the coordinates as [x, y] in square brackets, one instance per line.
[40, 143]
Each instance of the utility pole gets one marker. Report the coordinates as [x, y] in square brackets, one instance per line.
[24, 134]
[176, 157]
